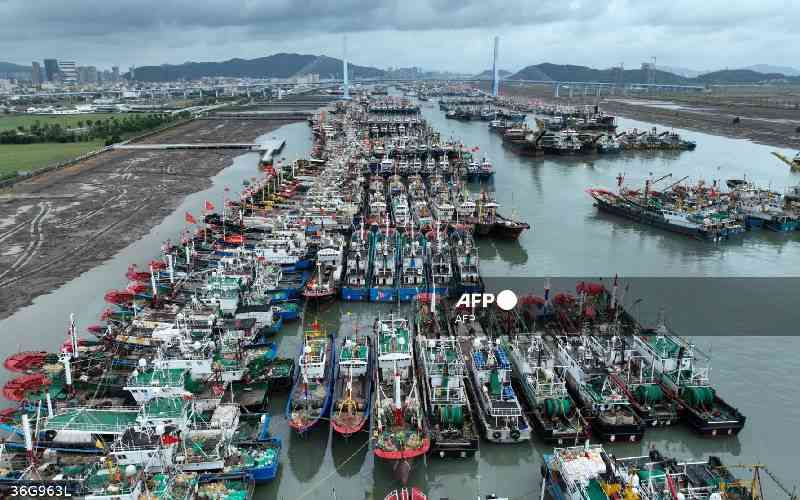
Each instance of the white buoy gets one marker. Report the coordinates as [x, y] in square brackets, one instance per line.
[26, 430]
[73, 336]
[49, 404]
[67, 371]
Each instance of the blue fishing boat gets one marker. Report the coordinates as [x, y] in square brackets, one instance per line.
[442, 277]
[267, 317]
[384, 267]
[312, 390]
[467, 263]
[260, 459]
[357, 262]
[413, 273]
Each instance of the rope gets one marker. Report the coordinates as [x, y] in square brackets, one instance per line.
[335, 470]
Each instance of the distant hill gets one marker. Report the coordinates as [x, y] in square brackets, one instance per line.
[487, 75]
[570, 73]
[681, 71]
[274, 66]
[739, 76]
[11, 70]
[7, 67]
[768, 68]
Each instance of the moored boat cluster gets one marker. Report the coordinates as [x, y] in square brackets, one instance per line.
[706, 212]
[170, 398]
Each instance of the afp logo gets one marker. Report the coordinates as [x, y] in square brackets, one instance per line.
[505, 300]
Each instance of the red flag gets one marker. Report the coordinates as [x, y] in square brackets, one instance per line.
[190, 219]
[169, 439]
[209, 205]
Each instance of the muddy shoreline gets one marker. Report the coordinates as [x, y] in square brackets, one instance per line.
[765, 118]
[58, 225]
[766, 126]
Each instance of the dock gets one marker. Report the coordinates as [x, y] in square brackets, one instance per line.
[267, 148]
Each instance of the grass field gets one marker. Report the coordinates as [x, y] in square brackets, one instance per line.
[13, 121]
[14, 157]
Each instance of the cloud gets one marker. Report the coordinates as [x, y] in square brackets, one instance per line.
[446, 34]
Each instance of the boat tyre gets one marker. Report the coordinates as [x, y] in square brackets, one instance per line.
[515, 434]
[496, 435]
[543, 470]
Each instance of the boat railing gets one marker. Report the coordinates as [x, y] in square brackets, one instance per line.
[447, 395]
[549, 389]
[78, 419]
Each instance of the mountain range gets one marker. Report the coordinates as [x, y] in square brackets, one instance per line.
[487, 74]
[570, 73]
[274, 66]
[294, 65]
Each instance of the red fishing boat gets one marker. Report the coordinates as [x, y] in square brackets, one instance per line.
[352, 393]
[25, 361]
[399, 427]
[17, 388]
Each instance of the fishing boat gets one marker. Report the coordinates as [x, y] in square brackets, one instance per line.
[591, 472]
[553, 413]
[327, 279]
[442, 275]
[447, 406]
[384, 267]
[399, 432]
[352, 394]
[355, 285]
[489, 375]
[413, 271]
[638, 379]
[312, 390]
[233, 486]
[467, 263]
[684, 378]
[714, 226]
[602, 401]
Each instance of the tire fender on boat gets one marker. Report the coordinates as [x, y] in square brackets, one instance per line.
[515, 434]
[496, 434]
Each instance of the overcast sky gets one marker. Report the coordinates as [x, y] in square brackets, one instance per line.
[453, 35]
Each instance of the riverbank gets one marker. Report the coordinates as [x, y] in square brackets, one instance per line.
[60, 224]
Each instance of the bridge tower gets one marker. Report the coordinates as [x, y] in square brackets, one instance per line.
[346, 85]
[495, 78]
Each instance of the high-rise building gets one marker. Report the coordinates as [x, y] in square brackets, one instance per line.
[115, 73]
[50, 69]
[87, 74]
[36, 73]
[69, 72]
[132, 72]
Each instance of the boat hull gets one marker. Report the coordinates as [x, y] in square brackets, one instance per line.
[382, 294]
[354, 294]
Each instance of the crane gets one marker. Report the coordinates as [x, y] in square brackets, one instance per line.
[755, 484]
[794, 164]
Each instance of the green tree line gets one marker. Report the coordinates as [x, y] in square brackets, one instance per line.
[109, 129]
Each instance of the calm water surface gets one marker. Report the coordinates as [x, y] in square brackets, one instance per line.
[756, 372]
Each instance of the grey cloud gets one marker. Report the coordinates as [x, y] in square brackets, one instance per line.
[446, 34]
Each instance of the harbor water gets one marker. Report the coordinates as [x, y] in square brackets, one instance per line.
[749, 322]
